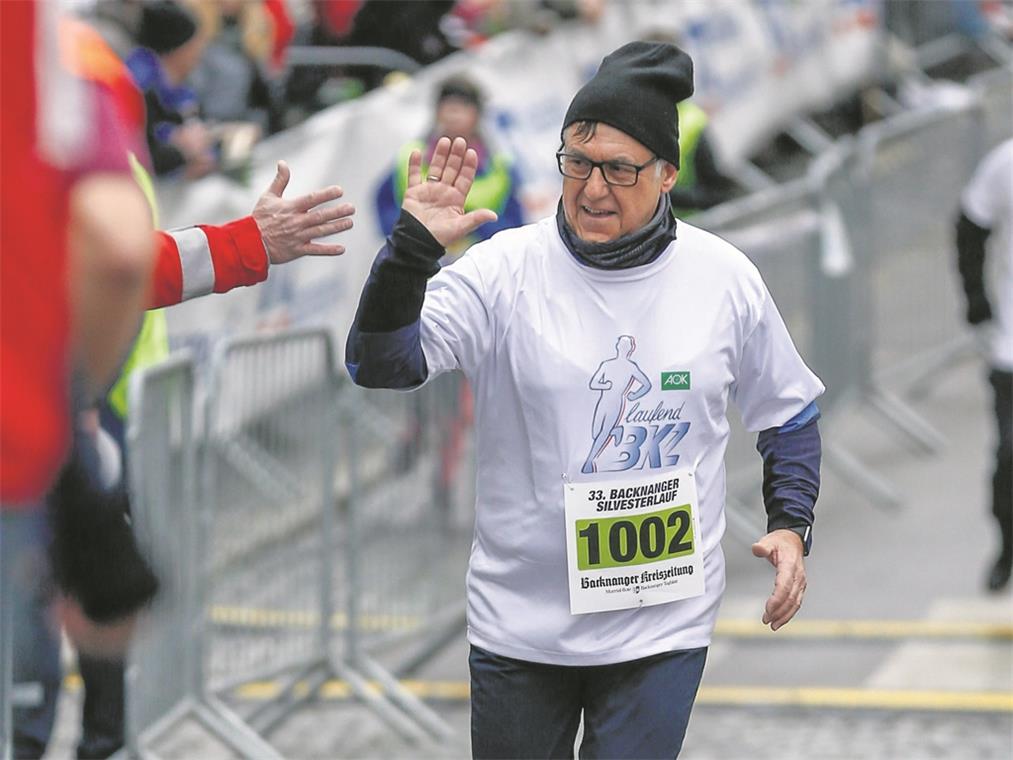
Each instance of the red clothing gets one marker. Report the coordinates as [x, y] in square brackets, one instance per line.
[338, 16]
[284, 30]
[34, 299]
[89, 56]
[34, 305]
[207, 259]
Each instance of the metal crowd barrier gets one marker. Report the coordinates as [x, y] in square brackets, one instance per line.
[994, 89]
[280, 564]
[421, 513]
[858, 256]
[798, 237]
[269, 456]
[913, 168]
[322, 55]
[165, 676]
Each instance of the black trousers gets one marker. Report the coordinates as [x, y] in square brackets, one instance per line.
[1002, 477]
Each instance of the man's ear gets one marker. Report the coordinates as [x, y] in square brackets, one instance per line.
[669, 175]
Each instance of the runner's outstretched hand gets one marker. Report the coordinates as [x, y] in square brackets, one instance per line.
[437, 200]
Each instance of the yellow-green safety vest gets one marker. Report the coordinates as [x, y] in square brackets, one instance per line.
[152, 342]
[692, 122]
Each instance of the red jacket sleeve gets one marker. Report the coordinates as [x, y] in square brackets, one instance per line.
[195, 261]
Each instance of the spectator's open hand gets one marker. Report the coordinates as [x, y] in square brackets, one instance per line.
[288, 226]
[437, 200]
[784, 550]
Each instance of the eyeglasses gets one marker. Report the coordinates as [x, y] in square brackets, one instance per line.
[614, 172]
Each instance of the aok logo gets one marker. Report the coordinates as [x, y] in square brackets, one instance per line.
[675, 381]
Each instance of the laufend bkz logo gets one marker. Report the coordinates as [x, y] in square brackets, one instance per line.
[675, 381]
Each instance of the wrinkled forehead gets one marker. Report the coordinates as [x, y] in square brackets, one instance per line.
[605, 139]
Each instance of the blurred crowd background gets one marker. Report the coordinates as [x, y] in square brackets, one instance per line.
[219, 75]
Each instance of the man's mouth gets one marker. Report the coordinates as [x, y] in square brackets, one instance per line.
[596, 212]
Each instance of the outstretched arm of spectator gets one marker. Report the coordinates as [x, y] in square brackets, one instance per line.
[195, 261]
[289, 226]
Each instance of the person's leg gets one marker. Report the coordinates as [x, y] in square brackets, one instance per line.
[1002, 477]
[34, 639]
[640, 709]
[102, 714]
[522, 709]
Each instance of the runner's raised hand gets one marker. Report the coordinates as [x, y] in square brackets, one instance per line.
[437, 200]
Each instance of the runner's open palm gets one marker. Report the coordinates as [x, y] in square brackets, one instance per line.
[437, 200]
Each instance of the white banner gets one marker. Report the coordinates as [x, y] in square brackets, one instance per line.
[758, 65]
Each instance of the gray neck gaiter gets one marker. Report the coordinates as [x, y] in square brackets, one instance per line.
[633, 250]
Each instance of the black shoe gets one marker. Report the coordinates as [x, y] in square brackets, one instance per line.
[998, 576]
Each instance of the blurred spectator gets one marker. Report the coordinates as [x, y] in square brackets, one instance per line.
[458, 113]
[412, 27]
[169, 49]
[920, 23]
[987, 208]
[233, 255]
[118, 21]
[334, 19]
[235, 77]
[70, 174]
[700, 184]
[330, 25]
[472, 22]
[284, 31]
[69, 213]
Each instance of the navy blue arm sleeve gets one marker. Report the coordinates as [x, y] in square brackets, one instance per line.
[384, 348]
[971, 264]
[791, 471]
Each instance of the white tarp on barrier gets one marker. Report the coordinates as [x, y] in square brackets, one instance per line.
[758, 65]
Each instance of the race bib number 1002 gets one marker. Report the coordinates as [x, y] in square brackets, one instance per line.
[632, 543]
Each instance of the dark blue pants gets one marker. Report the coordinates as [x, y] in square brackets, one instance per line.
[636, 709]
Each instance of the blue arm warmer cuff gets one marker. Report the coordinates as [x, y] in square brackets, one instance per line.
[791, 471]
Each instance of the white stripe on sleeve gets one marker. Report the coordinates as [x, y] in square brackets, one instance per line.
[195, 259]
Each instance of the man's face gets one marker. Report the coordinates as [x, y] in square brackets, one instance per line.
[599, 212]
[456, 117]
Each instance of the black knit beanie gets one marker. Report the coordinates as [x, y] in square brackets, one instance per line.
[635, 90]
[165, 26]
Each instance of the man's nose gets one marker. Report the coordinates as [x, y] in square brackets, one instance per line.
[595, 186]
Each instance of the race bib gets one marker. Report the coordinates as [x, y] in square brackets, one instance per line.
[633, 542]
